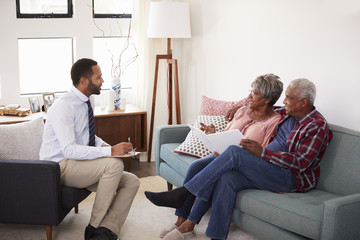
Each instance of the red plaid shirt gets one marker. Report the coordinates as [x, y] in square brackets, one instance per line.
[306, 143]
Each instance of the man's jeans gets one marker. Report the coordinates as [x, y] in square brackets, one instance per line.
[234, 170]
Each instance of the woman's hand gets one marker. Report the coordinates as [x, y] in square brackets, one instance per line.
[207, 129]
[251, 146]
[231, 112]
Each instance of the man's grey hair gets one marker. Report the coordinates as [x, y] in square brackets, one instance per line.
[304, 88]
[270, 87]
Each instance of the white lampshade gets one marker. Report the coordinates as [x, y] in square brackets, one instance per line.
[169, 20]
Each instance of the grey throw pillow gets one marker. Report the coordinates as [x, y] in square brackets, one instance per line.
[21, 140]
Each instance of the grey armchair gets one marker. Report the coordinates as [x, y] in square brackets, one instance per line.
[30, 190]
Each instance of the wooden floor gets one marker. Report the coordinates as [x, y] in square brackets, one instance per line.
[142, 169]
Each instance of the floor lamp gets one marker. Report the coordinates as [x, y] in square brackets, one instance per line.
[167, 20]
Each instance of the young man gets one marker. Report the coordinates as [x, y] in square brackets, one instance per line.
[290, 162]
[85, 159]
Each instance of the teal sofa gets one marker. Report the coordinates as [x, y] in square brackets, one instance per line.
[330, 211]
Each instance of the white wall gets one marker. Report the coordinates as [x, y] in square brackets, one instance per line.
[233, 41]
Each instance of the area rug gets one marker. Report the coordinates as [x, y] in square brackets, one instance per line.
[144, 222]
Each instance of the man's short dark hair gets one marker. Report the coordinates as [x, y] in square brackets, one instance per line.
[82, 68]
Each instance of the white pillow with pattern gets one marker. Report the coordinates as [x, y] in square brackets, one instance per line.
[192, 144]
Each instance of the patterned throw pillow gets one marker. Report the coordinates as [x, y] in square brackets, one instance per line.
[215, 107]
[192, 144]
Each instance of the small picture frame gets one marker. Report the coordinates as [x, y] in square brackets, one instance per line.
[34, 104]
[48, 99]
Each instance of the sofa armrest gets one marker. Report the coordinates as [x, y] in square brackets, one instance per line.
[30, 191]
[168, 134]
[341, 218]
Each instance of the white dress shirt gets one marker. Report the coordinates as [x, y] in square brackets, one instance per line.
[66, 131]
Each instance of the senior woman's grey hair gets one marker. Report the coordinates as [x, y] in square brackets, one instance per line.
[304, 88]
[270, 87]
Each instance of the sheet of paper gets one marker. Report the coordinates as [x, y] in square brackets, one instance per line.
[129, 154]
[218, 141]
[203, 137]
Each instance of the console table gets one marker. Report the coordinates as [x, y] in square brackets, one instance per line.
[15, 119]
[113, 126]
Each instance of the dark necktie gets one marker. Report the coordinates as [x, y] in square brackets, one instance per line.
[91, 124]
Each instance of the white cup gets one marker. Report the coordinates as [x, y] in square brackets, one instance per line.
[103, 102]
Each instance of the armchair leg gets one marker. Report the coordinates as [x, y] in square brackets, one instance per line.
[169, 186]
[49, 228]
[76, 208]
[49, 232]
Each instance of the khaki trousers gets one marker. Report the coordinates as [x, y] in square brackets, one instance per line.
[115, 189]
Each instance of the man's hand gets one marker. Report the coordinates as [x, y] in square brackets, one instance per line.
[207, 129]
[121, 148]
[231, 112]
[251, 146]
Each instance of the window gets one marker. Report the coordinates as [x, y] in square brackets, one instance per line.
[106, 50]
[44, 65]
[112, 8]
[44, 8]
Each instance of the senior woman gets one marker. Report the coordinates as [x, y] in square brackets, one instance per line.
[256, 121]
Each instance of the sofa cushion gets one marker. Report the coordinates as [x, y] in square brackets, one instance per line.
[177, 161]
[213, 107]
[192, 145]
[21, 140]
[297, 212]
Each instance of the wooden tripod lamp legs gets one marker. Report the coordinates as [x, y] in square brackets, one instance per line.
[170, 63]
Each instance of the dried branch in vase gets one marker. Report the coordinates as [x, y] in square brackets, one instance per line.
[119, 65]
[118, 68]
